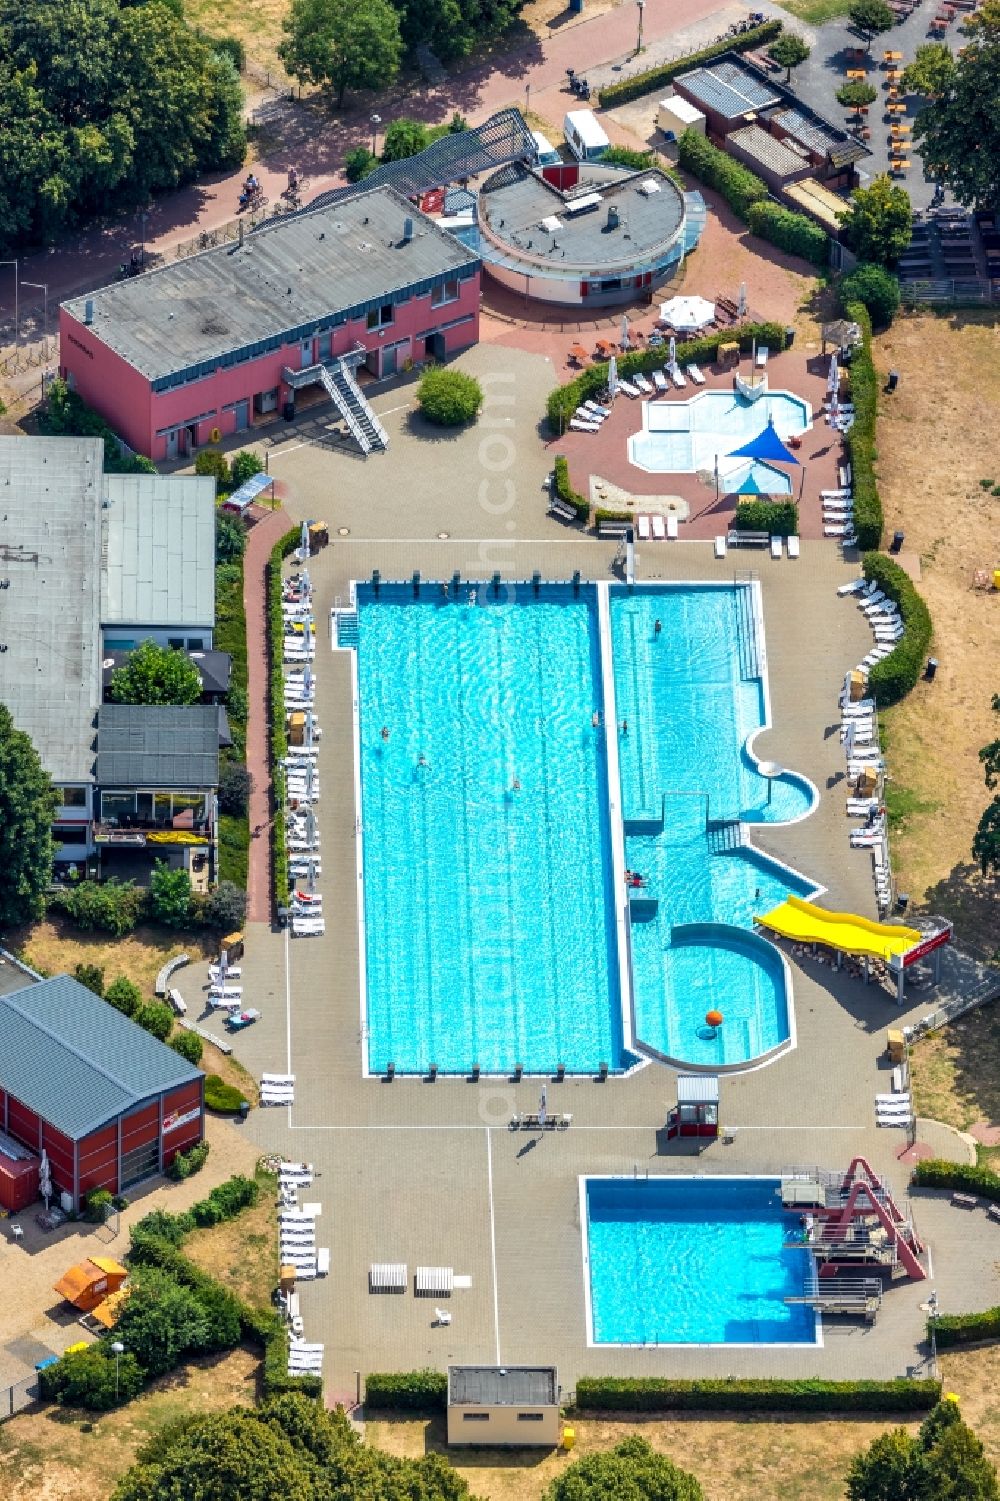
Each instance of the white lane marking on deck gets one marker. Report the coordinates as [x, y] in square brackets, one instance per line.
[493, 1241]
[577, 1130]
[288, 1012]
[930, 1265]
[279, 453]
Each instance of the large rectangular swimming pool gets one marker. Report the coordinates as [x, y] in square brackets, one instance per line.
[692, 1261]
[489, 932]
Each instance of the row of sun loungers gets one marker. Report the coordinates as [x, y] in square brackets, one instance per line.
[302, 784]
[298, 1249]
[656, 528]
[859, 734]
[277, 1089]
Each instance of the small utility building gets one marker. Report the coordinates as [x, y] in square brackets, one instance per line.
[499, 1405]
[107, 1102]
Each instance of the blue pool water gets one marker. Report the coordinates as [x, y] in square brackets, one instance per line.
[489, 934]
[680, 1261]
[692, 696]
[684, 437]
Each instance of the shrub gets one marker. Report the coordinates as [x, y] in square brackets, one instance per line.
[189, 1045]
[664, 1394]
[406, 1391]
[184, 1164]
[245, 465]
[230, 537]
[156, 675]
[403, 138]
[161, 1225]
[212, 463]
[124, 995]
[358, 163]
[96, 1204]
[170, 895]
[226, 907]
[564, 490]
[449, 398]
[161, 1319]
[90, 975]
[624, 156]
[110, 906]
[779, 518]
[860, 441]
[234, 787]
[966, 1328]
[937, 1172]
[65, 412]
[231, 47]
[225, 1099]
[794, 233]
[893, 677]
[877, 288]
[89, 1378]
[654, 78]
[156, 1018]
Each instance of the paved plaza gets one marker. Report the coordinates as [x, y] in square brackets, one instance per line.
[430, 1173]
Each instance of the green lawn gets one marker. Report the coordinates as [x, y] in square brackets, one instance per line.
[816, 12]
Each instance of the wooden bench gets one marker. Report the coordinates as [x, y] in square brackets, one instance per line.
[965, 1201]
[562, 509]
[613, 528]
[749, 539]
[163, 978]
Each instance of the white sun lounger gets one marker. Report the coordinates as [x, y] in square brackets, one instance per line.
[583, 427]
[660, 382]
[793, 546]
[835, 531]
[269, 1098]
[584, 414]
[775, 547]
[628, 388]
[695, 374]
[672, 527]
[308, 927]
[644, 385]
[677, 376]
[762, 354]
[225, 992]
[891, 1100]
[599, 412]
[659, 528]
[323, 1261]
[232, 972]
[854, 587]
[720, 547]
[643, 528]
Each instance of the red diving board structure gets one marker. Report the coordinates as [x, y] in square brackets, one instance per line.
[850, 1222]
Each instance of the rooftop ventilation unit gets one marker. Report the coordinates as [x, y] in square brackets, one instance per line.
[88, 311]
[407, 230]
[648, 187]
[581, 204]
[613, 218]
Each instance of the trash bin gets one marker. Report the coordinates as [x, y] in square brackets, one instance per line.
[893, 380]
[244, 1109]
[789, 337]
[288, 411]
[931, 669]
[898, 538]
[902, 901]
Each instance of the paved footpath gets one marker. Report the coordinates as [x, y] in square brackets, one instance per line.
[261, 539]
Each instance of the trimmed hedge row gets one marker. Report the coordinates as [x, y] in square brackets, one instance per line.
[891, 679]
[779, 518]
[966, 1328]
[564, 490]
[407, 1391]
[564, 400]
[937, 1172]
[859, 443]
[654, 78]
[654, 1394]
[749, 198]
[276, 704]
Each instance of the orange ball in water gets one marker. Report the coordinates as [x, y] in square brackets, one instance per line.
[713, 1018]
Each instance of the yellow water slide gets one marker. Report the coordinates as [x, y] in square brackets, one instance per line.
[807, 923]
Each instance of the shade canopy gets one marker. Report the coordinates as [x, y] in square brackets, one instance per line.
[766, 445]
[687, 313]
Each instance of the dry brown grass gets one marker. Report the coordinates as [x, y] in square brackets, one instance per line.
[735, 1459]
[255, 23]
[45, 1454]
[243, 1253]
[956, 1072]
[55, 947]
[936, 441]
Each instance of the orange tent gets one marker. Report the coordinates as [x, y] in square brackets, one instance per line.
[89, 1282]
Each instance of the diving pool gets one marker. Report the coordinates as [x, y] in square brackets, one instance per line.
[688, 437]
[692, 1261]
[489, 931]
[693, 696]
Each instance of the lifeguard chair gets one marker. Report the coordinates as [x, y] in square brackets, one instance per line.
[697, 1110]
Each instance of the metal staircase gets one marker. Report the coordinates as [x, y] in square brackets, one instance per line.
[347, 628]
[337, 380]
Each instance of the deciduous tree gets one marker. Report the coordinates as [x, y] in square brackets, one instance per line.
[788, 51]
[28, 803]
[156, 675]
[631, 1471]
[877, 288]
[871, 18]
[170, 895]
[342, 44]
[932, 70]
[959, 131]
[878, 225]
[856, 94]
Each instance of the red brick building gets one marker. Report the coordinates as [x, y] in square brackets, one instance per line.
[107, 1102]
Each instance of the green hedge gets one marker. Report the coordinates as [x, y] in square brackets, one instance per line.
[937, 1172]
[966, 1328]
[276, 727]
[796, 233]
[655, 78]
[605, 513]
[749, 198]
[231, 637]
[406, 1391]
[656, 1394]
[564, 400]
[779, 518]
[565, 492]
[224, 1098]
[859, 443]
[893, 677]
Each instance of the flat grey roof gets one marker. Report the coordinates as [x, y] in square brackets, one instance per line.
[771, 153]
[159, 543]
[285, 279]
[819, 135]
[728, 89]
[515, 201]
[76, 1061]
[158, 746]
[502, 1386]
[50, 551]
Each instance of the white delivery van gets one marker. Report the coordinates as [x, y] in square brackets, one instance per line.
[548, 156]
[584, 136]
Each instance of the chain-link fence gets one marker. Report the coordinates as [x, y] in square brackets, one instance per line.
[14, 1399]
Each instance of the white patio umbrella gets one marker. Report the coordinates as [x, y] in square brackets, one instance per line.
[624, 339]
[741, 304]
[306, 585]
[687, 313]
[309, 728]
[304, 540]
[833, 378]
[612, 377]
[672, 352]
[543, 1106]
[45, 1179]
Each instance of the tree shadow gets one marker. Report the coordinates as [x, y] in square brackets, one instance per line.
[972, 902]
